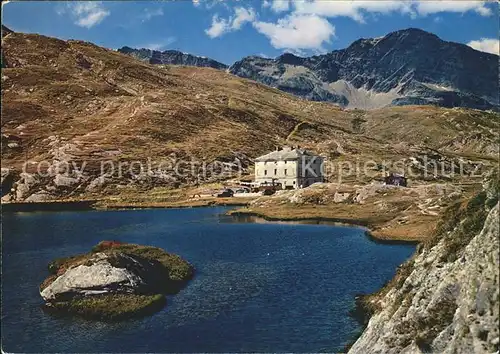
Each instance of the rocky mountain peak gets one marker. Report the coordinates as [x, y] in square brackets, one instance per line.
[173, 57]
[404, 67]
[6, 30]
[289, 58]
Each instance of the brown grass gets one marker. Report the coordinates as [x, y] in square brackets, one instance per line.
[111, 307]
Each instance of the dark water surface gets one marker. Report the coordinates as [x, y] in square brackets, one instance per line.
[259, 287]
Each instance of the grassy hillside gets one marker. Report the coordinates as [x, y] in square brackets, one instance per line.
[74, 101]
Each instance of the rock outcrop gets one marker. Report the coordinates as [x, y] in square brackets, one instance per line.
[100, 275]
[7, 179]
[446, 298]
[114, 281]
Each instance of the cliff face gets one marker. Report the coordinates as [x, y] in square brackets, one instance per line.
[446, 298]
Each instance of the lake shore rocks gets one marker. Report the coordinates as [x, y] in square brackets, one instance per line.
[114, 281]
[445, 299]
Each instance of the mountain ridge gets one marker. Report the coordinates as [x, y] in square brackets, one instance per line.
[404, 67]
[173, 57]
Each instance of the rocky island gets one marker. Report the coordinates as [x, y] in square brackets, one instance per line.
[114, 281]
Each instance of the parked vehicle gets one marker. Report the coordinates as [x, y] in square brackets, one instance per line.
[225, 193]
[242, 190]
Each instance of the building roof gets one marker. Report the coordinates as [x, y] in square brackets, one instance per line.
[286, 154]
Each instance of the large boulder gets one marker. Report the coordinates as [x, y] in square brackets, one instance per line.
[114, 281]
[102, 273]
[39, 197]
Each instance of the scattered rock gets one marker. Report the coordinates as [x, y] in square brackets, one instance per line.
[341, 197]
[5, 174]
[39, 197]
[24, 187]
[65, 181]
[96, 184]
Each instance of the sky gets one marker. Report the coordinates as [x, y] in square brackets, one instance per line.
[230, 30]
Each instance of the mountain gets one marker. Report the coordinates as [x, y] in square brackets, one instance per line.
[172, 57]
[404, 67]
[6, 30]
[66, 102]
[77, 117]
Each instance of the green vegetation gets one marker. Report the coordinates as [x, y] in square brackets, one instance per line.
[111, 307]
[178, 269]
[167, 275]
[462, 222]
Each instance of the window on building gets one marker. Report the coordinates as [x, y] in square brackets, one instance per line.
[293, 182]
[275, 172]
[265, 172]
[285, 171]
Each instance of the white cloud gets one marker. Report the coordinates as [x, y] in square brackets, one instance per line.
[432, 7]
[484, 11]
[149, 14]
[221, 26]
[280, 5]
[305, 26]
[161, 45]
[264, 55]
[296, 32]
[242, 16]
[89, 13]
[218, 28]
[356, 9]
[85, 13]
[209, 4]
[488, 45]
[352, 9]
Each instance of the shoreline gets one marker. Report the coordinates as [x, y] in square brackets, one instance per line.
[96, 204]
[361, 311]
[103, 205]
[69, 205]
[326, 220]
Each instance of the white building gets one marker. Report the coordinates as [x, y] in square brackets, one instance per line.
[292, 168]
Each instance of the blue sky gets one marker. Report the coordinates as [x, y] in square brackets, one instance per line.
[229, 30]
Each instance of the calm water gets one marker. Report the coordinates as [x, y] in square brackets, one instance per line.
[260, 287]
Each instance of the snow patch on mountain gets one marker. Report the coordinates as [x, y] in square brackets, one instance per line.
[363, 98]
